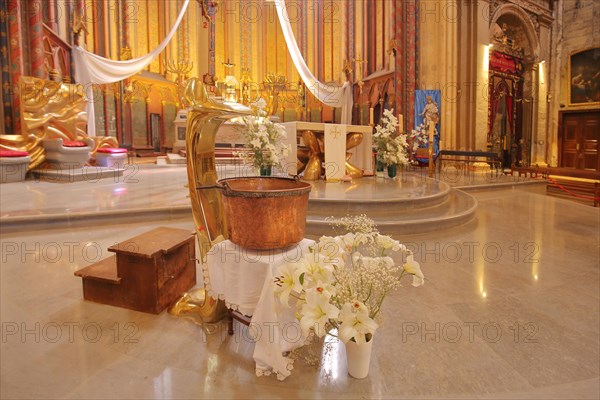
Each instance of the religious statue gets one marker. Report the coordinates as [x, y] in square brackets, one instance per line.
[430, 112]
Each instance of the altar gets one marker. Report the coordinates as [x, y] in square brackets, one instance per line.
[335, 147]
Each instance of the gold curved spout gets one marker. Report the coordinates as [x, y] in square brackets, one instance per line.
[204, 119]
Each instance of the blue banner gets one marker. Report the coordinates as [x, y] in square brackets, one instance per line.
[428, 106]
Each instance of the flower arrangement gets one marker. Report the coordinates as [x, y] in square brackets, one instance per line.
[342, 282]
[391, 146]
[264, 138]
[419, 136]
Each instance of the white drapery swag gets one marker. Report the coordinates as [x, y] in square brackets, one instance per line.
[331, 95]
[91, 69]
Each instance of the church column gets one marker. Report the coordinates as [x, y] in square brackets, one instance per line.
[15, 36]
[544, 135]
[36, 36]
[5, 107]
[537, 105]
[410, 72]
[400, 84]
[554, 87]
[203, 42]
[481, 43]
[124, 113]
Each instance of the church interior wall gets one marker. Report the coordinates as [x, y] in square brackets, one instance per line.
[580, 31]
[447, 46]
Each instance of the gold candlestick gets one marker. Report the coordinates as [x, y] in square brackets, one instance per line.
[431, 133]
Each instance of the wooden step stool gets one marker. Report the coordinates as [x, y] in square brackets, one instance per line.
[147, 273]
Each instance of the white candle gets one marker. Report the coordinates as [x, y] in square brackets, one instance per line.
[371, 117]
[400, 123]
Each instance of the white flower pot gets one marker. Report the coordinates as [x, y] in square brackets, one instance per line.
[358, 357]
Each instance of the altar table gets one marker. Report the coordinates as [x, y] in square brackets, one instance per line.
[362, 156]
[244, 279]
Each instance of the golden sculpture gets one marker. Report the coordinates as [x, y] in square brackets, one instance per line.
[204, 120]
[50, 110]
[198, 307]
[316, 155]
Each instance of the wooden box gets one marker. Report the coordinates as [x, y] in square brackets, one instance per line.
[147, 273]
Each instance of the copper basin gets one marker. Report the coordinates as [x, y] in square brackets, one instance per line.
[265, 213]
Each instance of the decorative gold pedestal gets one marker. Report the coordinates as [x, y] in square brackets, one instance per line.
[313, 169]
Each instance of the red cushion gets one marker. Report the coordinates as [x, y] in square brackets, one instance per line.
[111, 150]
[73, 143]
[13, 153]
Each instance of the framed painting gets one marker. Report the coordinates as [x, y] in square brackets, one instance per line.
[584, 77]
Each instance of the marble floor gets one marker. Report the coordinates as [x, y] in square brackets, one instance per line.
[510, 308]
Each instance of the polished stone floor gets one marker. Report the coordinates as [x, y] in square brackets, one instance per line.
[510, 308]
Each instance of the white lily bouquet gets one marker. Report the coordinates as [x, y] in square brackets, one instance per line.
[265, 139]
[342, 282]
[391, 145]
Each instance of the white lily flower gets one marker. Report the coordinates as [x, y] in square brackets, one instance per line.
[355, 322]
[315, 268]
[387, 243]
[317, 311]
[412, 267]
[287, 282]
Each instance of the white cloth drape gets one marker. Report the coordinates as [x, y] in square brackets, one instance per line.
[329, 94]
[91, 69]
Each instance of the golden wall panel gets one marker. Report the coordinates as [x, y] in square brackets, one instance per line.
[195, 24]
[89, 25]
[172, 10]
[310, 37]
[328, 22]
[359, 51]
[140, 46]
[113, 31]
[378, 36]
[153, 39]
[220, 45]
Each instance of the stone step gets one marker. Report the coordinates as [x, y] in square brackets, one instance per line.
[409, 204]
[458, 209]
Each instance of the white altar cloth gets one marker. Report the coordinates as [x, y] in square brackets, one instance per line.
[244, 279]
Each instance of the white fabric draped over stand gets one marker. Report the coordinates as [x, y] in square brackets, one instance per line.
[329, 94]
[91, 69]
[244, 279]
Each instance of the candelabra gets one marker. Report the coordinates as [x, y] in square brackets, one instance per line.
[274, 84]
[181, 69]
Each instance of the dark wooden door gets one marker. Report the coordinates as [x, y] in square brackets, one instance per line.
[580, 144]
[155, 129]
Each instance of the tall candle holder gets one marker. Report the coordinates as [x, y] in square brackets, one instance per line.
[181, 69]
[274, 84]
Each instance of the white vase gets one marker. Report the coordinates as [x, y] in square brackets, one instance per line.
[358, 358]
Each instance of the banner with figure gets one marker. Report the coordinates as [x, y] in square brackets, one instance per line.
[427, 109]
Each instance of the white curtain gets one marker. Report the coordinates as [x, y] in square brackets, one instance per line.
[91, 69]
[329, 94]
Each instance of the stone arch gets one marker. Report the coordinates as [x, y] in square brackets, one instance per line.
[522, 17]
